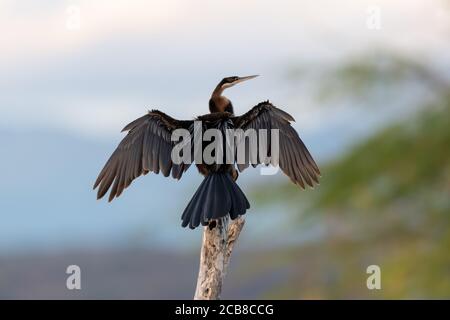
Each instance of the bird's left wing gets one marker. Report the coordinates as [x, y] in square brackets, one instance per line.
[294, 158]
[146, 147]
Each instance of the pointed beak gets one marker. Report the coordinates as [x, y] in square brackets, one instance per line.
[242, 79]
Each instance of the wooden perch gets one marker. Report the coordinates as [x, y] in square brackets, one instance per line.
[217, 245]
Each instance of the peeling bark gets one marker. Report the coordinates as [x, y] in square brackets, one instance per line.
[218, 242]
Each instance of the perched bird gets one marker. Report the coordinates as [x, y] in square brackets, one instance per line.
[148, 147]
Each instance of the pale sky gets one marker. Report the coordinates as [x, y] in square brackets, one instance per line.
[124, 57]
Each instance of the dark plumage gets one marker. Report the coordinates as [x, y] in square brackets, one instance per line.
[148, 146]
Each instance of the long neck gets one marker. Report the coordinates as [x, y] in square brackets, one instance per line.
[220, 103]
[217, 91]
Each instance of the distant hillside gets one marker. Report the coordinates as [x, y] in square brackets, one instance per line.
[126, 274]
[386, 202]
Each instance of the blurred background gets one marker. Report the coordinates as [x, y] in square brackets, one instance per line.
[367, 81]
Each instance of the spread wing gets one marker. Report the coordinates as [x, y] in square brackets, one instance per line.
[146, 147]
[294, 158]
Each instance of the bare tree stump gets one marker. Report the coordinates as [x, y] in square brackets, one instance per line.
[217, 245]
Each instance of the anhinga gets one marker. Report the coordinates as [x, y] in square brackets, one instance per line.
[148, 147]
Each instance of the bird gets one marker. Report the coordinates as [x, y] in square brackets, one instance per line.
[147, 147]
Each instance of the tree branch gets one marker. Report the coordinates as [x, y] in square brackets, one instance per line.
[218, 242]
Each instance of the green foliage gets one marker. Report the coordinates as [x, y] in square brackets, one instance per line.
[386, 202]
[396, 163]
[376, 74]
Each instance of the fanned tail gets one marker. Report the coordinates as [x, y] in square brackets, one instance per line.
[217, 196]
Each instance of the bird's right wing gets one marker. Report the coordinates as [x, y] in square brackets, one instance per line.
[146, 147]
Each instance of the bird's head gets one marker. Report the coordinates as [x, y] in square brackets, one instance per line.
[228, 82]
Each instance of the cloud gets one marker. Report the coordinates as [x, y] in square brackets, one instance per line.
[31, 32]
[129, 56]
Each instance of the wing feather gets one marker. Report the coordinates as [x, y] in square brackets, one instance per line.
[294, 158]
[146, 147]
